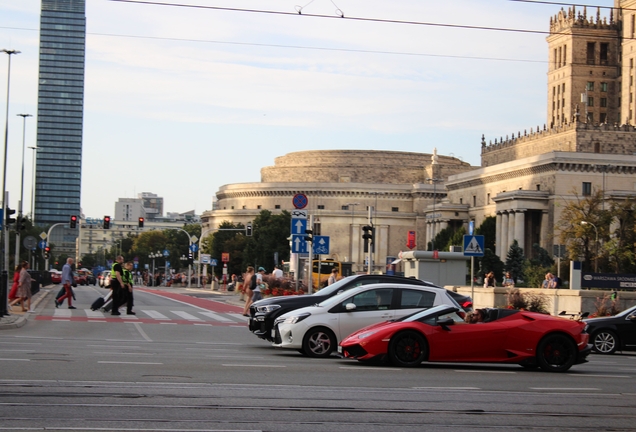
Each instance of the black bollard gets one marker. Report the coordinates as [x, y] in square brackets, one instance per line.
[3, 293]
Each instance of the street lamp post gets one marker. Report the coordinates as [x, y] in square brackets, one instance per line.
[596, 231]
[35, 149]
[5, 231]
[20, 214]
[153, 256]
[434, 181]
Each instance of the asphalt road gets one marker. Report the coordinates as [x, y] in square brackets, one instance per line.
[189, 364]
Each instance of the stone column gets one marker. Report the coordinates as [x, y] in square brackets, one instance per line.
[520, 228]
[503, 250]
[544, 232]
[498, 234]
[511, 233]
[443, 225]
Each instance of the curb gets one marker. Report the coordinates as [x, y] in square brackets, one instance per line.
[17, 321]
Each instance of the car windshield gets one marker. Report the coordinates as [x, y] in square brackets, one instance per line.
[627, 312]
[339, 297]
[328, 290]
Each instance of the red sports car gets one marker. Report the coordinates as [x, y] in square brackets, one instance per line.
[439, 334]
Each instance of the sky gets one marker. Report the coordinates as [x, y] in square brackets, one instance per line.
[191, 99]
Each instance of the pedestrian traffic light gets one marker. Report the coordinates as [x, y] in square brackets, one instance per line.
[141, 222]
[248, 230]
[73, 222]
[309, 236]
[47, 252]
[190, 257]
[10, 219]
[367, 236]
[106, 222]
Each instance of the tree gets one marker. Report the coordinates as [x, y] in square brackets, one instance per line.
[579, 238]
[515, 261]
[226, 240]
[270, 234]
[488, 229]
[619, 250]
[541, 257]
[490, 262]
[146, 243]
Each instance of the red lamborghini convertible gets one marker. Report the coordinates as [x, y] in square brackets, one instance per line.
[439, 334]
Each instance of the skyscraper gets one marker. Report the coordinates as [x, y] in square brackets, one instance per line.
[60, 110]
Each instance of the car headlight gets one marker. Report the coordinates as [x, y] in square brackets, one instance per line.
[367, 334]
[296, 318]
[267, 308]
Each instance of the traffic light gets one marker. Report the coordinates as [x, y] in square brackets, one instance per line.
[47, 252]
[141, 222]
[10, 219]
[73, 222]
[248, 230]
[309, 236]
[21, 223]
[367, 236]
[106, 222]
[190, 257]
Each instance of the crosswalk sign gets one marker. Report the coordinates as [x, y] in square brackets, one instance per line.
[474, 245]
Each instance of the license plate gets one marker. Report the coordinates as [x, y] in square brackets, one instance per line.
[339, 349]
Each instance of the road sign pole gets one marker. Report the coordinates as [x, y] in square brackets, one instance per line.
[310, 285]
[472, 278]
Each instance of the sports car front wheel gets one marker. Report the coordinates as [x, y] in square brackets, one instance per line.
[407, 349]
[605, 342]
[556, 353]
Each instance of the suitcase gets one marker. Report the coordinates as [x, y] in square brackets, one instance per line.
[97, 304]
[62, 291]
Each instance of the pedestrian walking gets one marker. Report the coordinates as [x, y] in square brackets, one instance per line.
[256, 291]
[249, 281]
[117, 284]
[128, 287]
[68, 282]
[13, 294]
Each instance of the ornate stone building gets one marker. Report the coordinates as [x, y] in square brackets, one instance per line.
[524, 180]
[342, 185]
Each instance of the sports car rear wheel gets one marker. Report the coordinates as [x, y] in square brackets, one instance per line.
[605, 342]
[556, 353]
[319, 342]
[407, 349]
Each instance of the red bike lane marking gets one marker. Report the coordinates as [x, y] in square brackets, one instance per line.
[211, 305]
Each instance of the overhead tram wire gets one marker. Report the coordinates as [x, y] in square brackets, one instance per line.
[301, 47]
[362, 19]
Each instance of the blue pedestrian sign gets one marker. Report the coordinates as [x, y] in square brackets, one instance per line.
[321, 245]
[214, 262]
[298, 226]
[474, 245]
[166, 253]
[299, 245]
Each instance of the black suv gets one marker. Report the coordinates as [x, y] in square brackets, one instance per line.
[265, 311]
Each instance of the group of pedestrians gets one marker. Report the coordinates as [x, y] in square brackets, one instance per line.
[121, 282]
[21, 289]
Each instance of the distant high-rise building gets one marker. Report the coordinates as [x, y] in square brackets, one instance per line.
[60, 110]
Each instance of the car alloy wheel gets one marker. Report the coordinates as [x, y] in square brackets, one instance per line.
[605, 342]
[556, 353]
[407, 349]
[319, 342]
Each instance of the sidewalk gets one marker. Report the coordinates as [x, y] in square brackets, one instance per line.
[16, 318]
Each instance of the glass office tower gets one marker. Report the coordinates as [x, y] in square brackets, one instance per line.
[60, 111]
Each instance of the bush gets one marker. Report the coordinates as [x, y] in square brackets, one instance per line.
[606, 306]
[533, 302]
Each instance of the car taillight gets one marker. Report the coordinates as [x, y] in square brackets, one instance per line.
[467, 304]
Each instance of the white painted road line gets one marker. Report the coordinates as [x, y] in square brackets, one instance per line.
[256, 366]
[130, 363]
[155, 315]
[565, 388]
[216, 317]
[63, 313]
[599, 376]
[94, 314]
[238, 316]
[10, 359]
[483, 371]
[186, 316]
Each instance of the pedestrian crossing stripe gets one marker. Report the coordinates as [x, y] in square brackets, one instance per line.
[146, 316]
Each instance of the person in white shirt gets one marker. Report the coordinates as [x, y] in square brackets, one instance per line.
[256, 292]
[333, 277]
[277, 273]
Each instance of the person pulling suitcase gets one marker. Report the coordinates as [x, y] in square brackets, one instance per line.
[117, 285]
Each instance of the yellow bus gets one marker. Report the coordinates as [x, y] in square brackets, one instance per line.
[322, 270]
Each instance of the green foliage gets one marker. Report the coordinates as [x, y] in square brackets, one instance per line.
[541, 257]
[270, 234]
[226, 240]
[580, 239]
[533, 275]
[491, 263]
[618, 253]
[515, 261]
[441, 240]
[488, 229]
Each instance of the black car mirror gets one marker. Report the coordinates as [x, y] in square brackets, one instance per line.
[632, 317]
[350, 307]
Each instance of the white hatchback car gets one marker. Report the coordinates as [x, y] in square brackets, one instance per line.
[317, 330]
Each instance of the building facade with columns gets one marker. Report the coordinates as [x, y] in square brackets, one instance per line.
[346, 190]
